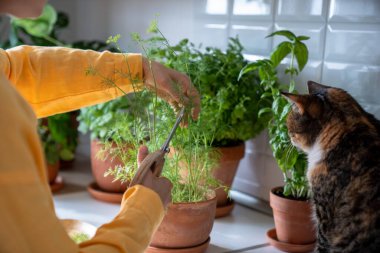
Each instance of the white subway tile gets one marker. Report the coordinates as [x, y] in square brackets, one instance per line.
[355, 11]
[353, 43]
[301, 10]
[253, 7]
[359, 80]
[211, 34]
[373, 109]
[218, 7]
[252, 36]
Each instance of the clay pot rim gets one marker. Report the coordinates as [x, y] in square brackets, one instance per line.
[287, 199]
[281, 204]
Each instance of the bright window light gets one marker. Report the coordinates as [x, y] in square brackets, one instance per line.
[216, 7]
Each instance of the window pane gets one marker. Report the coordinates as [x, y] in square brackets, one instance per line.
[252, 7]
[216, 7]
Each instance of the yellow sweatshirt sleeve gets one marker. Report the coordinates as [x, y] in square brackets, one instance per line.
[140, 214]
[53, 79]
[28, 220]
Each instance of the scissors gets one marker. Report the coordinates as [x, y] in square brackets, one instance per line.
[155, 161]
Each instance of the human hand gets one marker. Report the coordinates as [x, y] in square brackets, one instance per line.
[161, 185]
[173, 86]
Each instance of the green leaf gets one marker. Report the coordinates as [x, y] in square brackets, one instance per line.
[265, 95]
[300, 38]
[291, 158]
[285, 33]
[264, 110]
[302, 54]
[282, 50]
[276, 105]
[66, 155]
[285, 111]
[41, 26]
[248, 68]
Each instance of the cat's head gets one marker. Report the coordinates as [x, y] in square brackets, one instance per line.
[313, 112]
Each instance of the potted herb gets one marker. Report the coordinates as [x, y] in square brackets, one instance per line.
[102, 121]
[51, 149]
[63, 128]
[190, 217]
[291, 203]
[229, 106]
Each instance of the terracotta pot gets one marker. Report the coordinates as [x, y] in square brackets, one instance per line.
[99, 167]
[226, 169]
[293, 219]
[52, 171]
[186, 224]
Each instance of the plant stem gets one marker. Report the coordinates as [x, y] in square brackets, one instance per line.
[54, 41]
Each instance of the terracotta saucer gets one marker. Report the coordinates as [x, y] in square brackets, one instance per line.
[57, 184]
[287, 247]
[196, 249]
[99, 194]
[222, 211]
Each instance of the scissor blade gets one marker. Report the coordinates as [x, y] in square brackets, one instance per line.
[165, 147]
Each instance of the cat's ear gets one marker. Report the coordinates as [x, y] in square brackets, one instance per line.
[299, 101]
[315, 88]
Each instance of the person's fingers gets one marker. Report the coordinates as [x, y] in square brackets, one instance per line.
[142, 153]
[175, 90]
[189, 93]
[174, 87]
[166, 189]
[195, 101]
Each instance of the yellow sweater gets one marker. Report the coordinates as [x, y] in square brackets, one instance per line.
[53, 80]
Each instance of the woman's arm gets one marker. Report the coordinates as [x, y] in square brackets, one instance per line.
[53, 79]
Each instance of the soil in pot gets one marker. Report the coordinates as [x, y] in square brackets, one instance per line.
[293, 219]
[186, 225]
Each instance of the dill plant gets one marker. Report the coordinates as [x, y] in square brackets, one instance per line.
[188, 166]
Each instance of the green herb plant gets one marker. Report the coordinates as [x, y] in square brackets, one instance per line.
[291, 162]
[229, 106]
[79, 237]
[188, 165]
[49, 145]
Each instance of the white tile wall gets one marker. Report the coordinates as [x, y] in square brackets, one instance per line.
[301, 10]
[344, 49]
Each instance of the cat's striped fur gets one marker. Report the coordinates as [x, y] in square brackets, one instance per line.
[343, 145]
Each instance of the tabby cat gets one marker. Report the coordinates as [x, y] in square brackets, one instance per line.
[343, 146]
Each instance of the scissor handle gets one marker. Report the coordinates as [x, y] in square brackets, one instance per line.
[165, 147]
[154, 162]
